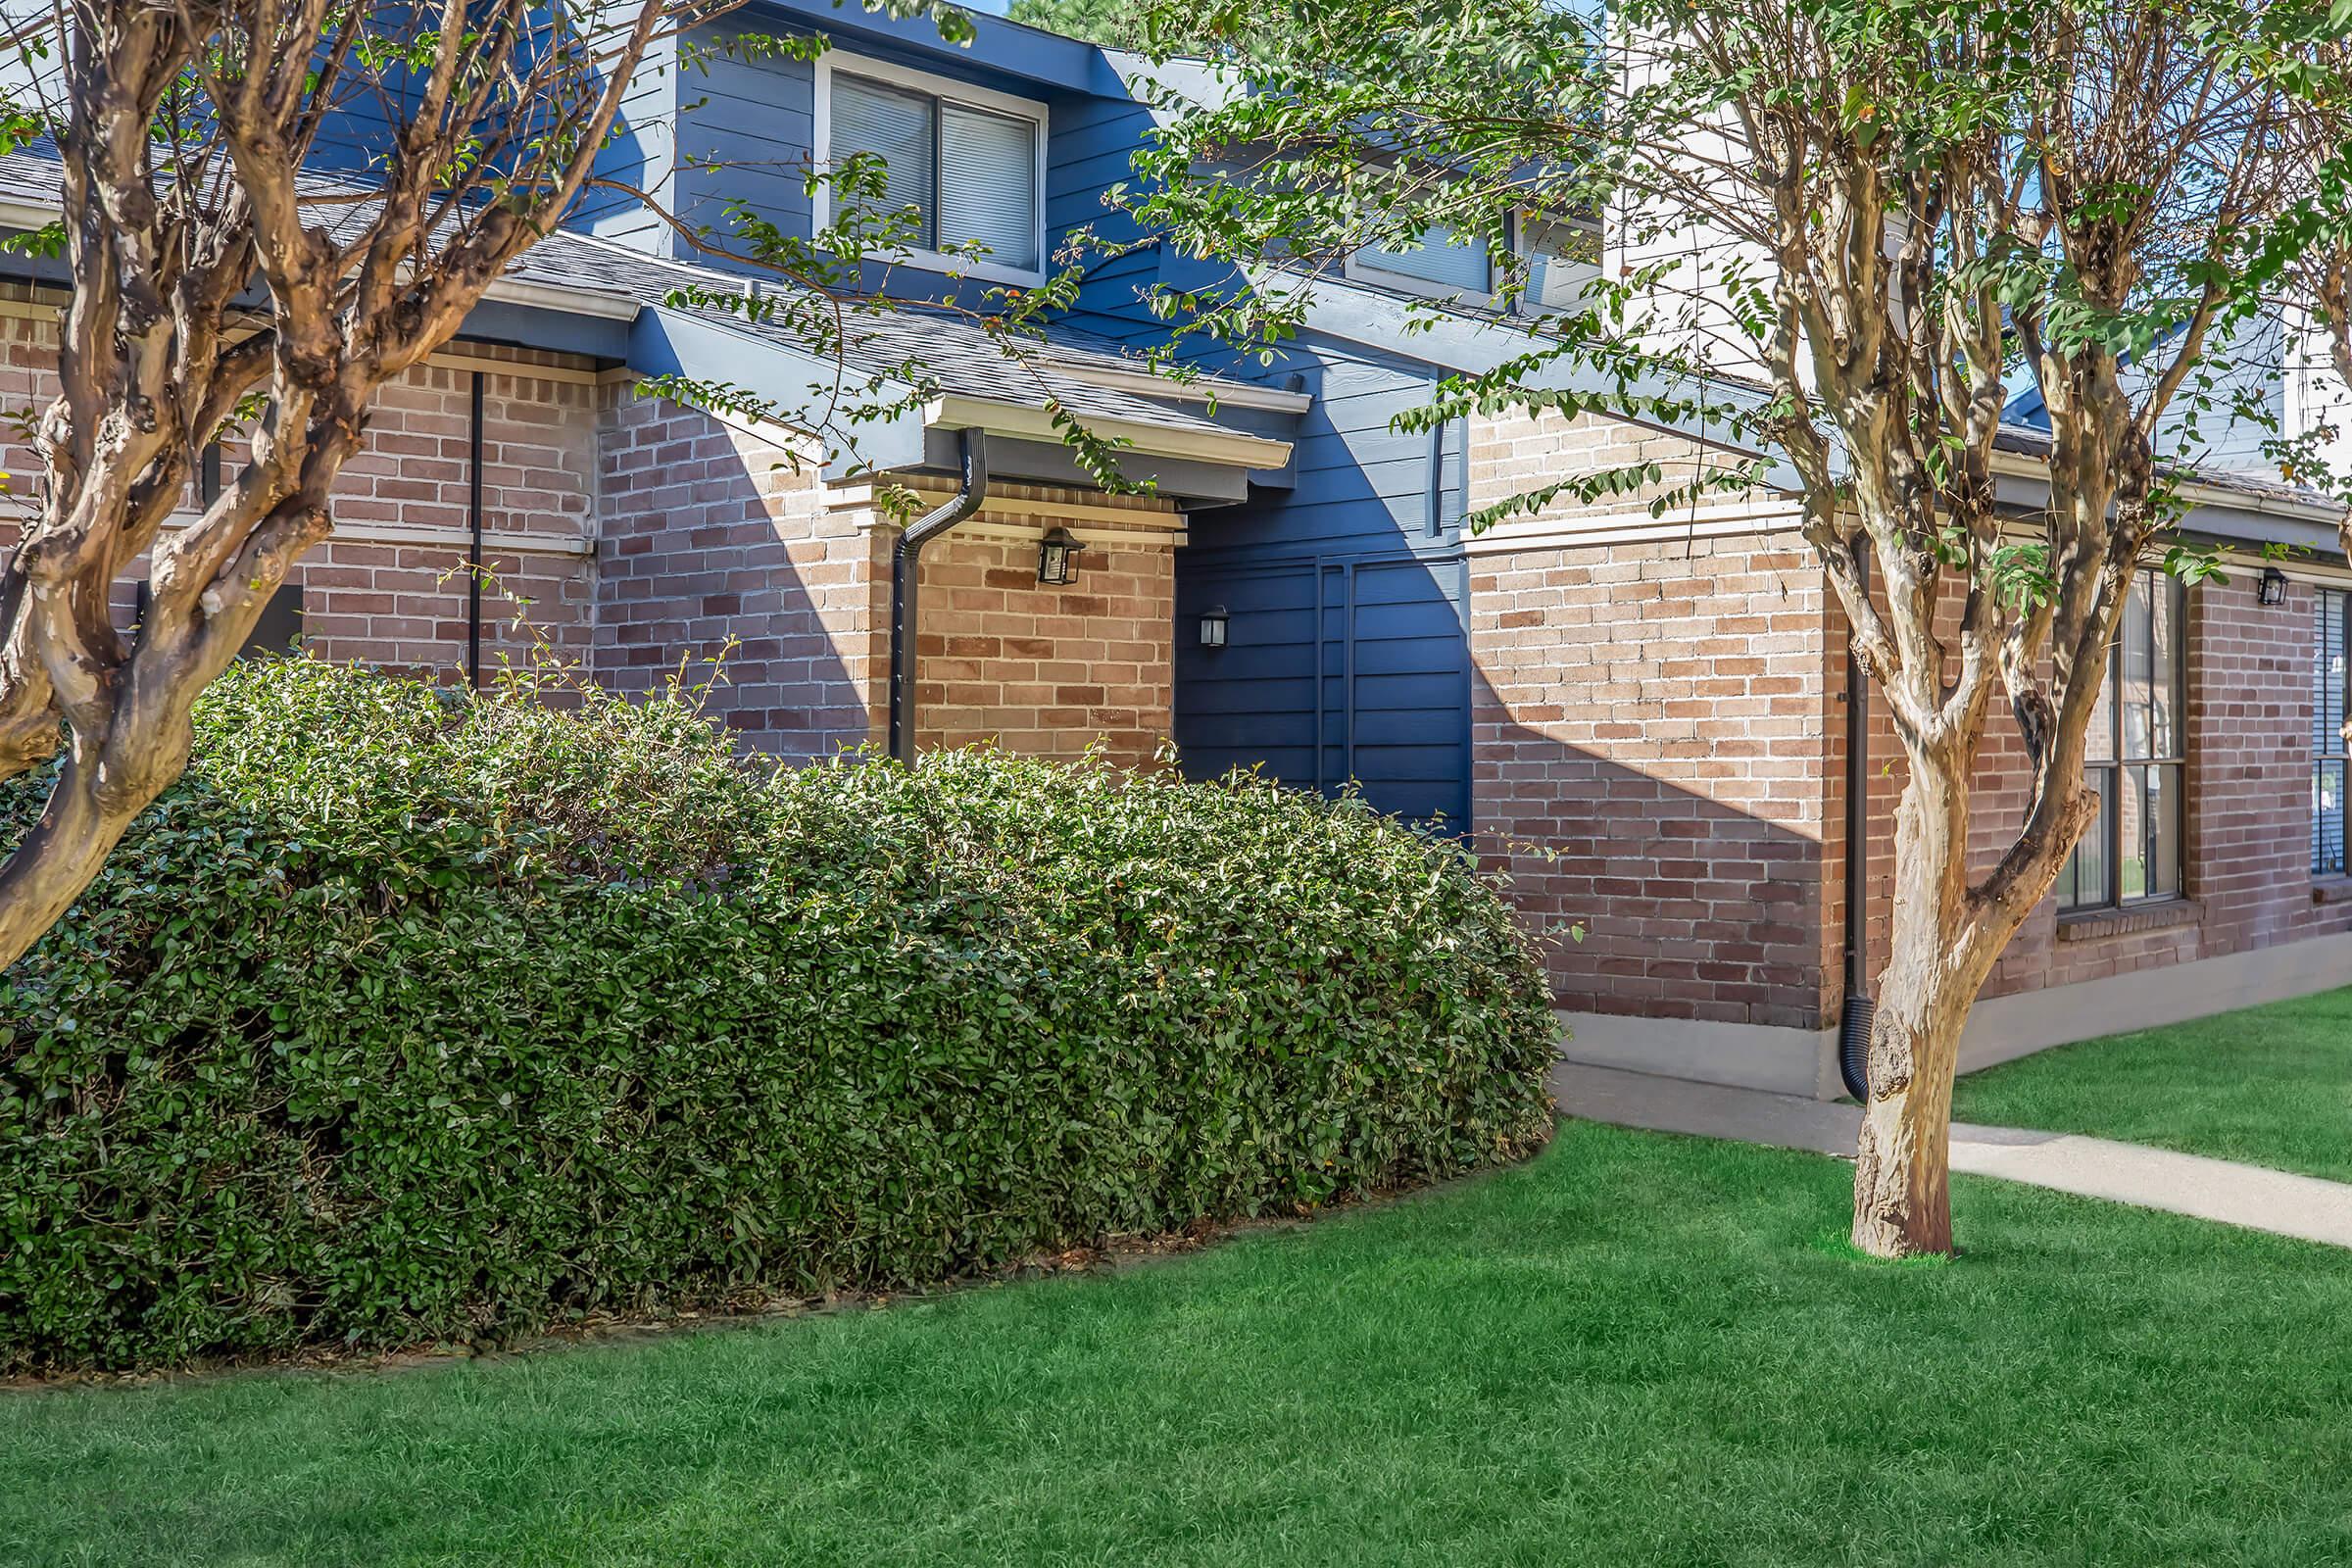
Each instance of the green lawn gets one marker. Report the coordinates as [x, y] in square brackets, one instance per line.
[2270, 1086]
[1638, 1349]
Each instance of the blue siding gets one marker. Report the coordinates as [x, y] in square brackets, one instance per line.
[1335, 669]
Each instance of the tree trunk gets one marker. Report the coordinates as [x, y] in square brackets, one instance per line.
[64, 853]
[1902, 1198]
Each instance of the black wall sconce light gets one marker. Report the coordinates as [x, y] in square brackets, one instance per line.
[2272, 590]
[1212, 626]
[1057, 558]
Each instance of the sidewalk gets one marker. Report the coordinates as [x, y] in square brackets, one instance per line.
[2216, 1190]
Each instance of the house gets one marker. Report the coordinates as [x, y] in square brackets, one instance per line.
[1647, 721]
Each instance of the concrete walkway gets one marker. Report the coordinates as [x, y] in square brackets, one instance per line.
[2217, 1190]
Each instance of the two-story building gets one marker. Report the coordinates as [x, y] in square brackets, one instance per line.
[1645, 720]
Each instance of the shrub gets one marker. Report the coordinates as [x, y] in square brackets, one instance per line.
[413, 1016]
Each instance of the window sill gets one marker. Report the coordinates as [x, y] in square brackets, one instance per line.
[2091, 924]
[2331, 890]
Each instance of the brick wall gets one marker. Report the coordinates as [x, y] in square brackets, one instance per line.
[2246, 859]
[1650, 735]
[389, 588]
[1660, 728]
[712, 533]
[1049, 671]
[1652, 756]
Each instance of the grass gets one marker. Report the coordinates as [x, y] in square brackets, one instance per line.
[1635, 1349]
[2269, 1086]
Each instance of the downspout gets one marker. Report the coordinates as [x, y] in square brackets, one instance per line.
[905, 558]
[1853, 1030]
[474, 508]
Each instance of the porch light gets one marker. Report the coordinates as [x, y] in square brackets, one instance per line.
[2272, 588]
[1212, 626]
[1057, 558]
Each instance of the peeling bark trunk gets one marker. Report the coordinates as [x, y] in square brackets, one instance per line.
[1902, 1199]
[64, 851]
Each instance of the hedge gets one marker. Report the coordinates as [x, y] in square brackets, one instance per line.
[413, 1016]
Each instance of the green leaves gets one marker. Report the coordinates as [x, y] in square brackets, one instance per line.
[413, 1016]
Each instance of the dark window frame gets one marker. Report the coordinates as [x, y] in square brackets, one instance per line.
[2107, 775]
[2328, 747]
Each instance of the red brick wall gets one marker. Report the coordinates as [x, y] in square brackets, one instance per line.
[712, 533]
[1651, 753]
[2246, 863]
[389, 588]
[374, 596]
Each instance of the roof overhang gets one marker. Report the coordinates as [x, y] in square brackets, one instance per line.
[1472, 345]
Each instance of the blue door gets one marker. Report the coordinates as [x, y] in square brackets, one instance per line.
[1334, 668]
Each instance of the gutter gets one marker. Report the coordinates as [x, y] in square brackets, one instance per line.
[905, 560]
[473, 529]
[1854, 1021]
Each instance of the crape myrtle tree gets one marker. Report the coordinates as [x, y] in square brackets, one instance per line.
[217, 289]
[1834, 237]
[214, 283]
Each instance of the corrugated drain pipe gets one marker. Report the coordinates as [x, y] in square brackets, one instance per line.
[1853, 1029]
[903, 560]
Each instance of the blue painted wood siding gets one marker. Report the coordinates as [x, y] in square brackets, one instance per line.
[1335, 669]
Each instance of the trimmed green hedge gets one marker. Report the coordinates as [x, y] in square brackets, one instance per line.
[408, 1016]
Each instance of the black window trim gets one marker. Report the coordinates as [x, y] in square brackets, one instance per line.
[2109, 824]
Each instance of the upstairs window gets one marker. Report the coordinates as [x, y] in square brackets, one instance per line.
[1561, 257]
[2332, 642]
[1451, 263]
[2138, 758]
[968, 162]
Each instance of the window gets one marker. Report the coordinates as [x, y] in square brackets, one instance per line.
[1438, 256]
[2136, 759]
[2331, 640]
[969, 162]
[1562, 258]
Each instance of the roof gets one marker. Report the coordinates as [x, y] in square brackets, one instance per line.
[1093, 377]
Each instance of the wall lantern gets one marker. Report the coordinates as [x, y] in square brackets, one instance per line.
[1057, 558]
[2272, 588]
[1212, 626]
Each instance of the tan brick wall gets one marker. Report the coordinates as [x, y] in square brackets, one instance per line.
[1518, 454]
[1047, 671]
[712, 533]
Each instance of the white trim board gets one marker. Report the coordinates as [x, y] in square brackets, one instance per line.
[459, 539]
[1635, 526]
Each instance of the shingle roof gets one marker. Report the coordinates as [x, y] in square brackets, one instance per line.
[954, 353]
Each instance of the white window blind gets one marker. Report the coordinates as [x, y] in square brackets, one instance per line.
[988, 183]
[971, 172]
[897, 126]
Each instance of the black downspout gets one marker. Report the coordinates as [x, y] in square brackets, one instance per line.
[473, 566]
[1853, 1031]
[903, 560]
